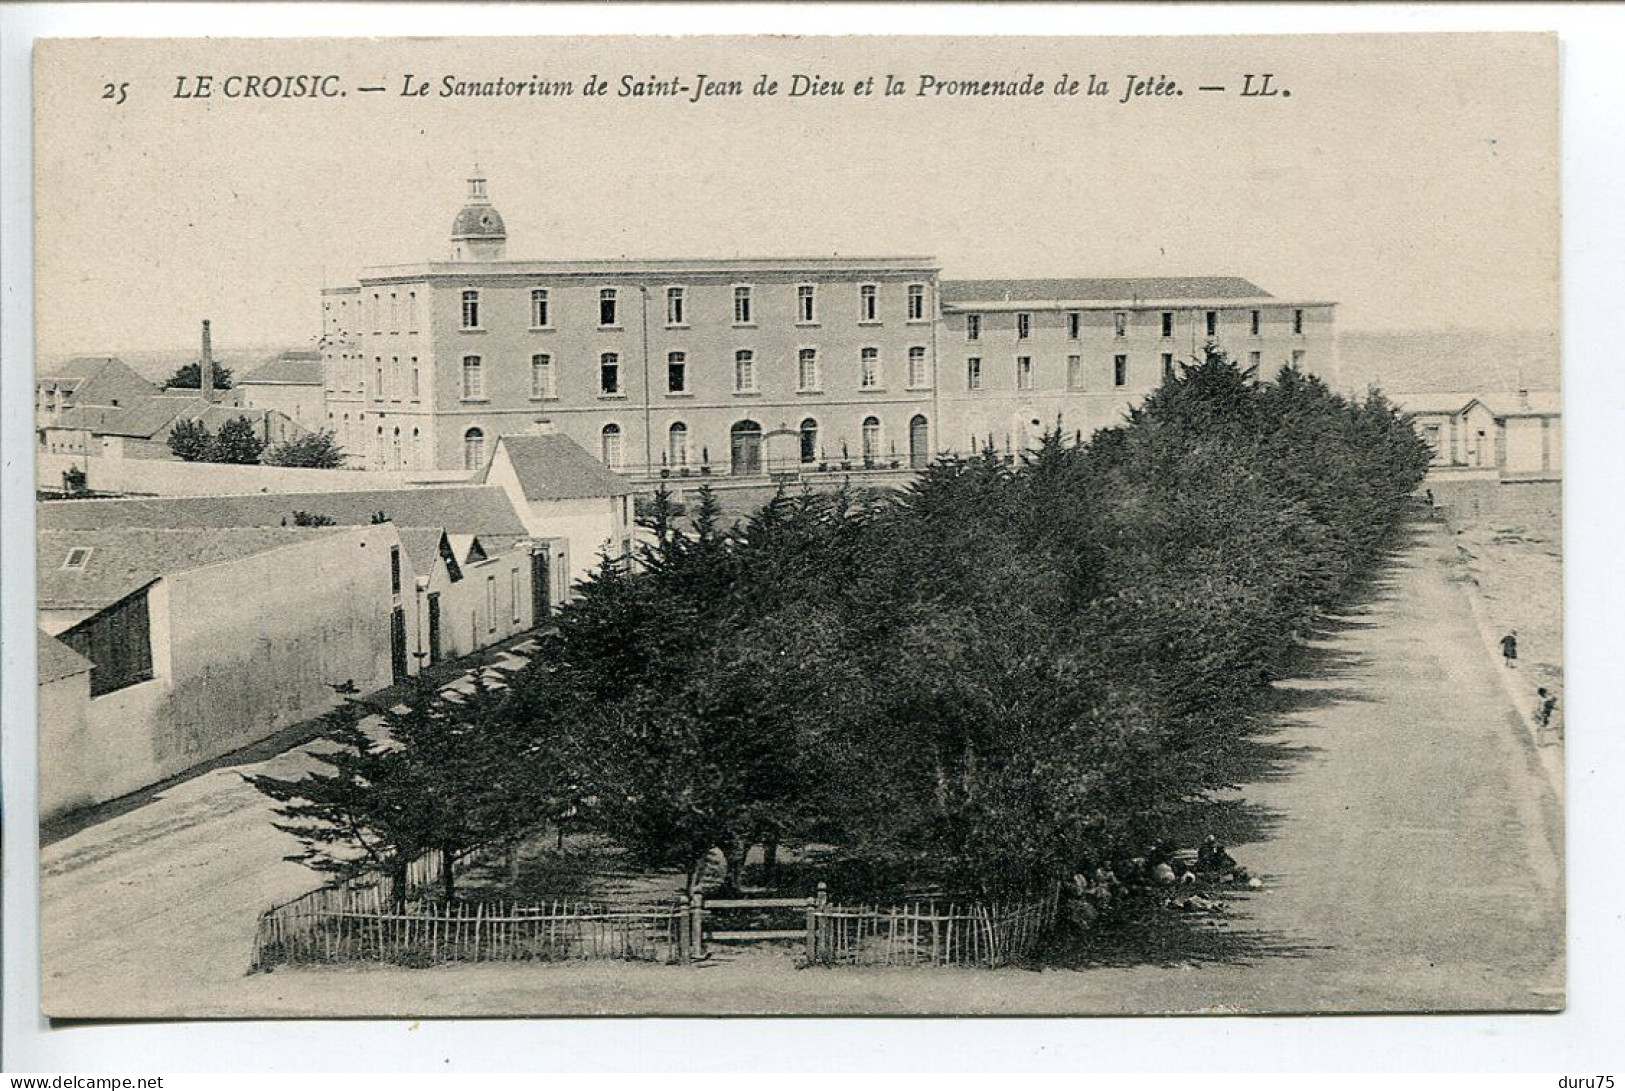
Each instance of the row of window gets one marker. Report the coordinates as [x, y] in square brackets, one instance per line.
[1120, 319]
[1075, 378]
[612, 380]
[370, 312]
[744, 306]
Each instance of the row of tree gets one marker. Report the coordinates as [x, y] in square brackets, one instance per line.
[1008, 669]
[238, 442]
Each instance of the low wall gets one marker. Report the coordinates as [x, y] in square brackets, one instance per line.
[165, 477]
[1482, 500]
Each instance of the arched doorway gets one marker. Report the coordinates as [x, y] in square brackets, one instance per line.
[746, 441]
[919, 442]
[809, 440]
[871, 441]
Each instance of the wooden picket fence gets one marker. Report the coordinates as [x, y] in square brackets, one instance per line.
[929, 934]
[361, 924]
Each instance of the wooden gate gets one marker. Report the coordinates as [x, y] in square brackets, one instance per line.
[704, 912]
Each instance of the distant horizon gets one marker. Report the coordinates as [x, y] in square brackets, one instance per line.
[1410, 214]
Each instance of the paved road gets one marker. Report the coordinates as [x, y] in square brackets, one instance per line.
[1409, 842]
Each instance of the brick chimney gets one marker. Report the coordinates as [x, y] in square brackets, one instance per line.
[205, 367]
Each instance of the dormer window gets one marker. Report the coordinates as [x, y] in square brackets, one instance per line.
[78, 557]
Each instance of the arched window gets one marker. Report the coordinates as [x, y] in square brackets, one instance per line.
[417, 450]
[809, 440]
[473, 378]
[871, 439]
[677, 444]
[395, 451]
[609, 446]
[378, 449]
[473, 449]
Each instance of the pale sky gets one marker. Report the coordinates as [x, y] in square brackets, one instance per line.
[1414, 180]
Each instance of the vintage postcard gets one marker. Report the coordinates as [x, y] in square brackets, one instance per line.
[799, 525]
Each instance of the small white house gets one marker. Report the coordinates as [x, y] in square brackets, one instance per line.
[566, 497]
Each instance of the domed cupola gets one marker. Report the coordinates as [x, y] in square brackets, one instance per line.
[478, 233]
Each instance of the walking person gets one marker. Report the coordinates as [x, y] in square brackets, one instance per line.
[1509, 649]
[1546, 705]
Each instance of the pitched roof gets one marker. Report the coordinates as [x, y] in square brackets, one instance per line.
[290, 368]
[1433, 401]
[1529, 403]
[556, 467]
[142, 418]
[57, 660]
[473, 509]
[77, 367]
[1101, 288]
[125, 559]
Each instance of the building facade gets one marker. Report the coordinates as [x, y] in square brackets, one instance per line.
[751, 367]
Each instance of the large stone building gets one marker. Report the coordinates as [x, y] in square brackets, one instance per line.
[751, 366]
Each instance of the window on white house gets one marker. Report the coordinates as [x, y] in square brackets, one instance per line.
[676, 373]
[542, 381]
[973, 327]
[609, 373]
[395, 379]
[1167, 367]
[377, 377]
[513, 594]
[473, 378]
[491, 603]
[1212, 323]
[1024, 372]
[473, 449]
[807, 377]
[917, 377]
[606, 306]
[677, 444]
[411, 312]
[973, 373]
[1024, 325]
[1257, 319]
[1120, 324]
[868, 303]
[744, 371]
[809, 440]
[1074, 325]
[1119, 370]
[1074, 372]
[916, 302]
[1168, 323]
[1297, 322]
[539, 316]
[806, 303]
[394, 313]
[869, 369]
[471, 310]
[676, 301]
[416, 387]
[742, 306]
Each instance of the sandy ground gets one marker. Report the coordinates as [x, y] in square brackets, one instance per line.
[1517, 574]
[1408, 838]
